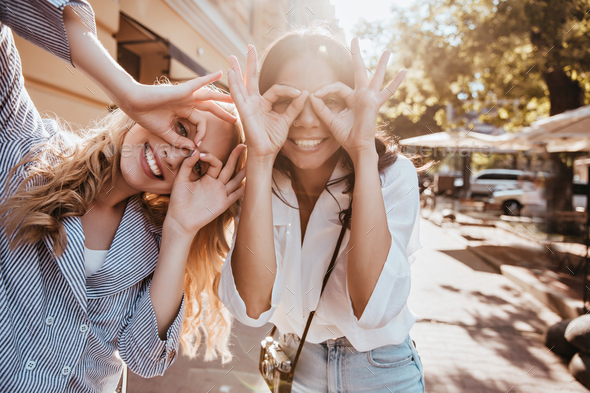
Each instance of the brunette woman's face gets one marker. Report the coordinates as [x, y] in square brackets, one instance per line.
[310, 142]
[150, 164]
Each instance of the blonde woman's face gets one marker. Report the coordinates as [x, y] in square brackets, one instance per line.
[150, 164]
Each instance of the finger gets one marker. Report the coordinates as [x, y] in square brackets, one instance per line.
[207, 93]
[212, 107]
[295, 107]
[234, 89]
[230, 165]
[187, 166]
[234, 196]
[195, 84]
[278, 91]
[321, 109]
[236, 182]
[201, 132]
[377, 79]
[338, 88]
[235, 67]
[252, 71]
[386, 93]
[215, 164]
[360, 71]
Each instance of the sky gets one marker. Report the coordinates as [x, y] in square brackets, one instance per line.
[350, 12]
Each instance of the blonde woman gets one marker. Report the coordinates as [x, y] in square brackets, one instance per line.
[112, 240]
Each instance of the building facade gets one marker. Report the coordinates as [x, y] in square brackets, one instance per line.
[178, 39]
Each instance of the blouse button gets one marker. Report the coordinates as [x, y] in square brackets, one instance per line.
[30, 365]
[83, 328]
[66, 370]
[49, 321]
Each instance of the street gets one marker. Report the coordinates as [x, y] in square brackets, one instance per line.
[476, 332]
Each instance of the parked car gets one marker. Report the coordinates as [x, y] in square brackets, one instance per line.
[512, 201]
[484, 182]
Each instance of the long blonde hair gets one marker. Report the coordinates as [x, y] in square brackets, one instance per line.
[62, 176]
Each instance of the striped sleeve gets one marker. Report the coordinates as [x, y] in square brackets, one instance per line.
[139, 344]
[41, 22]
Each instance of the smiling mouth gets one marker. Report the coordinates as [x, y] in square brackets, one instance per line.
[151, 160]
[307, 143]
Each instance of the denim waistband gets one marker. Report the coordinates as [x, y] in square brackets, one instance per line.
[293, 339]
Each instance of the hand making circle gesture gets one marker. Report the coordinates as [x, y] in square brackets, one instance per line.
[266, 130]
[354, 127]
[194, 204]
[156, 107]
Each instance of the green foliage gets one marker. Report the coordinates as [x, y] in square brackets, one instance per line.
[483, 55]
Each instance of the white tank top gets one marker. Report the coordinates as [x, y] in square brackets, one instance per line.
[94, 259]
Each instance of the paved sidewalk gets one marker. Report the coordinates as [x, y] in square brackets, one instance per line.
[477, 332]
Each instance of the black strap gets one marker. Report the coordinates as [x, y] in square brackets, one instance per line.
[312, 313]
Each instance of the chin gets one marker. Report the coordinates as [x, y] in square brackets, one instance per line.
[308, 162]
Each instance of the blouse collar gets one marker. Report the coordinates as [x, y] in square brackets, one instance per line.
[331, 205]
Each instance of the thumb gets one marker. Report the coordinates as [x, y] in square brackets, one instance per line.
[187, 166]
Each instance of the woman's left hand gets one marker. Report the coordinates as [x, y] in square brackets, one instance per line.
[195, 204]
[354, 127]
[155, 107]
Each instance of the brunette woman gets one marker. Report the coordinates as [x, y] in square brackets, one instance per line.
[315, 164]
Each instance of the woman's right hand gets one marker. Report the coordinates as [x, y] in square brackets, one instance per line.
[266, 130]
[194, 204]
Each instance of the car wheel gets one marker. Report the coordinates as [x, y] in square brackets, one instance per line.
[511, 208]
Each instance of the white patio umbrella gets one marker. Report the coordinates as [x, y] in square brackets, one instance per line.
[461, 140]
[568, 131]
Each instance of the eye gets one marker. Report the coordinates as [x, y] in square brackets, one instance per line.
[181, 130]
[330, 101]
[198, 169]
[284, 101]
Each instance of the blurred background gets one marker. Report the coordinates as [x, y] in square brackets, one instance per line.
[496, 97]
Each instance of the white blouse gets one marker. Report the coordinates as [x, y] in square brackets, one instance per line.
[387, 319]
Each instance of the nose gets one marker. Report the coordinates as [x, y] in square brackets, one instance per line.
[307, 118]
[172, 156]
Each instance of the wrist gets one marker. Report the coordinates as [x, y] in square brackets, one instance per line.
[364, 155]
[127, 95]
[256, 164]
[172, 229]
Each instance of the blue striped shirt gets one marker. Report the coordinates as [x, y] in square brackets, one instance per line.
[60, 331]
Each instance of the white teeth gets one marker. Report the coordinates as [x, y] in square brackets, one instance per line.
[307, 143]
[151, 161]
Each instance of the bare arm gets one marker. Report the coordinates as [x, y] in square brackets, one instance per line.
[354, 128]
[153, 107]
[191, 207]
[253, 260]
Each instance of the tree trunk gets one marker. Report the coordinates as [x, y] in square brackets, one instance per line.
[564, 93]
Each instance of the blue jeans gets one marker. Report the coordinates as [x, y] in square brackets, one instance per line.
[334, 366]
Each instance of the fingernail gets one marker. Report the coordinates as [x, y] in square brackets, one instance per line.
[194, 152]
[199, 144]
[202, 155]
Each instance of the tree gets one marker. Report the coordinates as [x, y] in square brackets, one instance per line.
[511, 61]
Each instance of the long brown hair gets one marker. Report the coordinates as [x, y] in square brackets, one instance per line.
[317, 40]
[62, 176]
